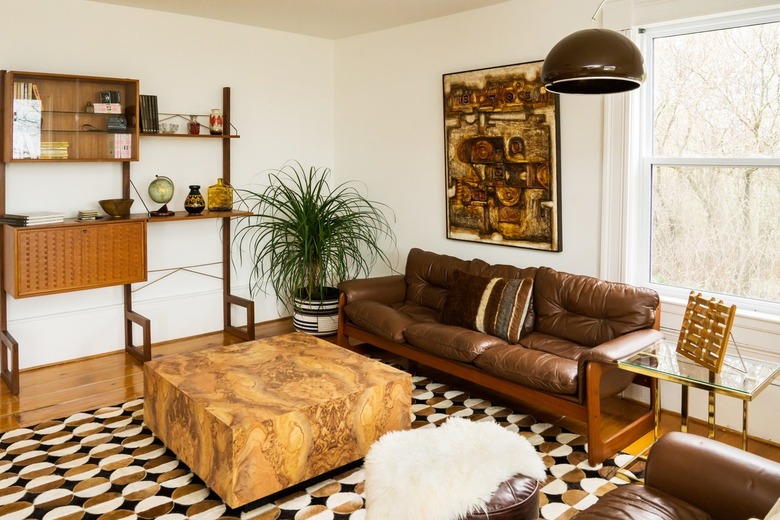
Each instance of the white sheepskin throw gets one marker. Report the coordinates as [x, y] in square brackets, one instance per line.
[444, 473]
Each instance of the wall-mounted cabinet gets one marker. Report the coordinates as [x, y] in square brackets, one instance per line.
[59, 117]
[73, 256]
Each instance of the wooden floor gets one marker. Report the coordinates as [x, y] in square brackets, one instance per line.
[60, 390]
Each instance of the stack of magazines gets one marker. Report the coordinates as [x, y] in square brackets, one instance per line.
[34, 218]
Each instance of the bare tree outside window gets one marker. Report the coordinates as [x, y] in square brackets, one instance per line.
[716, 102]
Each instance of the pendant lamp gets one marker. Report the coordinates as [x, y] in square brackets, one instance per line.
[593, 61]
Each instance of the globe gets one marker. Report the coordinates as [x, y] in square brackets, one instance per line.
[161, 191]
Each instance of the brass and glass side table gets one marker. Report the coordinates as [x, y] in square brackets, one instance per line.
[740, 377]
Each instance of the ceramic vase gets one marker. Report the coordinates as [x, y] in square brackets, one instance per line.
[215, 122]
[220, 197]
[194, 202]
[193, 127]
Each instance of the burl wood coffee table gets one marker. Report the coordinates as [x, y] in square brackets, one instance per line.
[254, 418]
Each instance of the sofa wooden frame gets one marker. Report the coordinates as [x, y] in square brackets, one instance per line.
[588, 412]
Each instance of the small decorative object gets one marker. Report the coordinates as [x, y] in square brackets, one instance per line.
[116, 208]
[215, 122]
[169, 128]
[161, 191]
[193, 127]
[220, 197]
[194, 202]
[704, 334]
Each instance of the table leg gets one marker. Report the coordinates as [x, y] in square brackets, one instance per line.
[684, 408]
[711, 416]
[656, 408]
[744, 425]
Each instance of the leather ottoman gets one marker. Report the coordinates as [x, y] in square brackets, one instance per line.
[515, 499]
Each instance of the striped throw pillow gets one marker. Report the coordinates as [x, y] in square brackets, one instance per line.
[495, 306]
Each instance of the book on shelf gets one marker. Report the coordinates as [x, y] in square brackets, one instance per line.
[149, 114]
[27, 129]
[26, 90]
[33, 218]
[121, 146]
[54, 150]
[105, 108]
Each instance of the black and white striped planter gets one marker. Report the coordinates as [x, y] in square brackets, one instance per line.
[315, 316]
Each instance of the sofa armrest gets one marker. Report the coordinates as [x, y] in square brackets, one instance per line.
[722, 480]
[383, 289]
[622, 346]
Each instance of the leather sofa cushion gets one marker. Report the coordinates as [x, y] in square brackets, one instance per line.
[428, 275]
[495, 306]
[450, 342]
[639, 502]
[531, 368]
[589, 311]
[483, 268]
[388, 322]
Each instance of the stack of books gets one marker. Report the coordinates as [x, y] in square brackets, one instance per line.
[34, 218]
[122, 146]
[89, 214]
[149, 114]
[54, 150]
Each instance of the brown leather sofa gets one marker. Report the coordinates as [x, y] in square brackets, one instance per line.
[688, 477]
[575, 330]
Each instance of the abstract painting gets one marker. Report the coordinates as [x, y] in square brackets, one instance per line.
[502, 157]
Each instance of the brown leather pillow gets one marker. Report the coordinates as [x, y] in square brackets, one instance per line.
[495, 306]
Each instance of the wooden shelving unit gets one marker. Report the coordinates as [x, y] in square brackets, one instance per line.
[75, 255]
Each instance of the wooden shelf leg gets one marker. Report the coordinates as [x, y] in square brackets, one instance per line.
[248, 332]
[144, 352]
[10, 370]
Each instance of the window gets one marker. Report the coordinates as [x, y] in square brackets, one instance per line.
[710, 168]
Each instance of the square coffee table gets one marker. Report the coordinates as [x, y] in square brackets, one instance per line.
[254, 418]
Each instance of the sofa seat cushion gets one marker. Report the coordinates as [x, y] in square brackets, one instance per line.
[450, 342]
[531, 368]
[637, 502]
[420, 313]
[553, 345]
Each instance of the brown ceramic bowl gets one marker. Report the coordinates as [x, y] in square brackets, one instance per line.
[116, 207]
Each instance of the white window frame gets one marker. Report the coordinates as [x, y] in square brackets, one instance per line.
[640, 161]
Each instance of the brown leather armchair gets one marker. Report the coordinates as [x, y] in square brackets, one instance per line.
[689, 477]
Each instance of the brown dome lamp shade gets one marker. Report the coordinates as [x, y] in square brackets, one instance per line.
[593, 61]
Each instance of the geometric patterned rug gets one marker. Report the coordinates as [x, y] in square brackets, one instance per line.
[107, 465]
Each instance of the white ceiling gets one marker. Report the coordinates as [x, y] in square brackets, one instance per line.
[323, 18]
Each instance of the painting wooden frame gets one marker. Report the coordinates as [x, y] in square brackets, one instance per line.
[502, 157]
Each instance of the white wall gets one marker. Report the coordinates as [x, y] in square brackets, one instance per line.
[389, 124]
[282, 101]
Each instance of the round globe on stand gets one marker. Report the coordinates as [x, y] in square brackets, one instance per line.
[161, 191]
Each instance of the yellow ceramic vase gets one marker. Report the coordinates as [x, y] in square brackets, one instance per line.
[220, 197]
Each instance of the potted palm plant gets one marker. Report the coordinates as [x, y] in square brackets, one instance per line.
[304, 237]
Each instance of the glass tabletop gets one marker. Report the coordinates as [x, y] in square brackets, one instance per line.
[661, 360]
